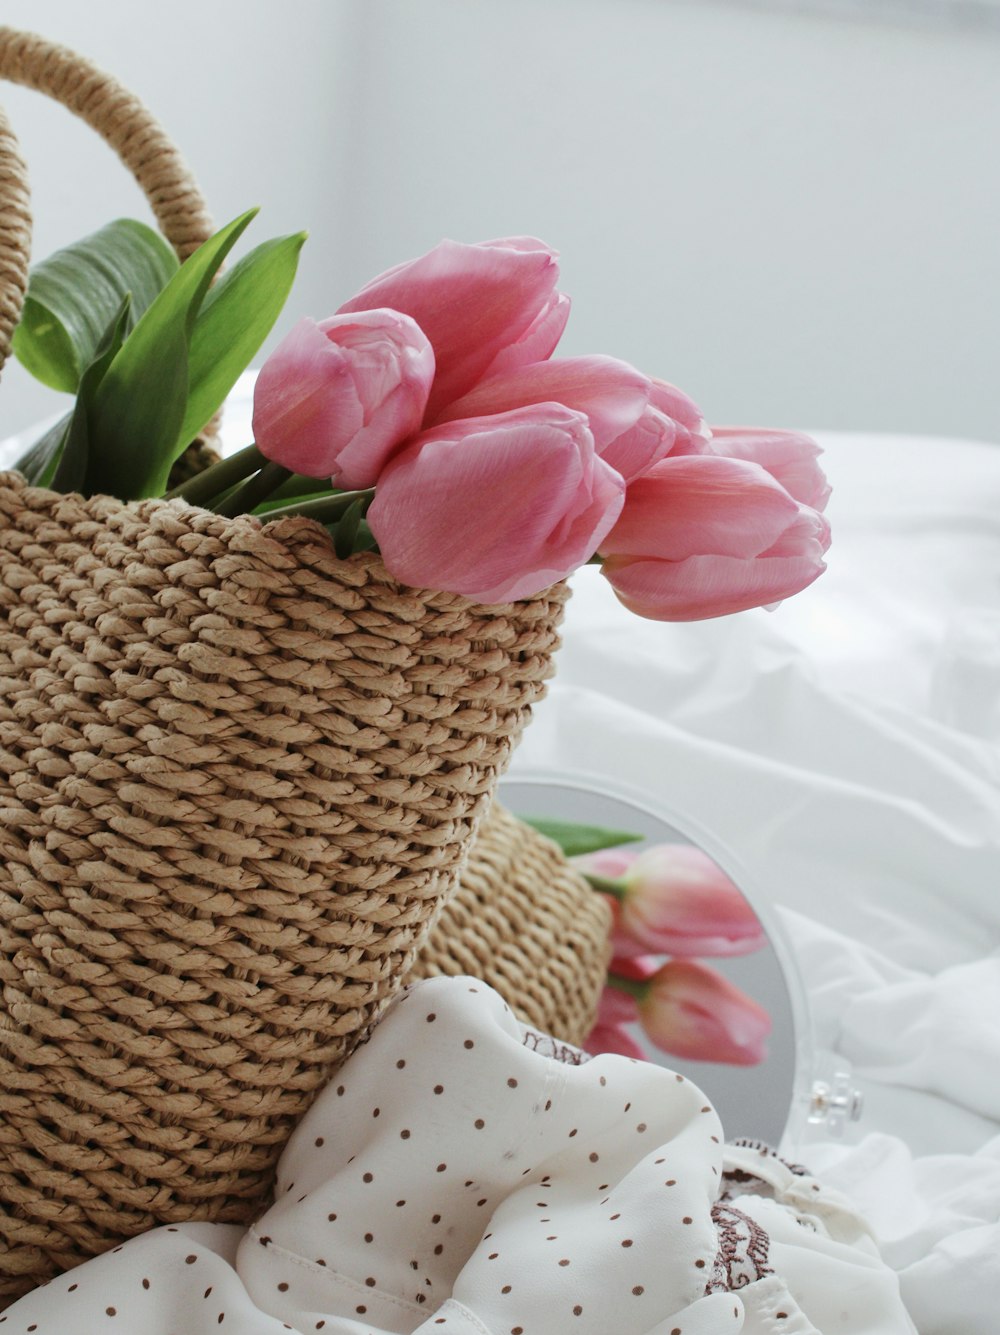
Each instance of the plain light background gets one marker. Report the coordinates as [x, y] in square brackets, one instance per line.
[791, 212]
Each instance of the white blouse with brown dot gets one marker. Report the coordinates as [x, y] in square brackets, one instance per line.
[455, 1179]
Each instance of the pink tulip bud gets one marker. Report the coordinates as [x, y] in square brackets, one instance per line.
[678, 901]
[472, 302]
[691, 1011]
[336, 399]
[703, 536]
[496, 508]
[789, 456]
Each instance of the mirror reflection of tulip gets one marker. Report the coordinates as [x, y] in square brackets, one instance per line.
[673, 899]
[684, 1007]
[689, 1009]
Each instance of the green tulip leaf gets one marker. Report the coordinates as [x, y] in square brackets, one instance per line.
[346, 530]
[71, 472]
[235, 318]
[138, 409]
[74, 294]
[296, 488]
[577, 839]
[38, 464]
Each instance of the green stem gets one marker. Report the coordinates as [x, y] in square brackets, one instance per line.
[327, 509]
[596, 560]
[635, 987]
[254, 490]
[606, 884]
[219, 478]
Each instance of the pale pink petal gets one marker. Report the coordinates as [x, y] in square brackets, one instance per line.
[306, 402]
[539, 340]
[471, 301]
[337, 399]
[611, 393]
[789, 456]
[635, 451]
[703, 587]
[692, 435]
[701, 503]
[496, 508]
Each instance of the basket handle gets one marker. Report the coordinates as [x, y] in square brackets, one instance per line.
[122, 120]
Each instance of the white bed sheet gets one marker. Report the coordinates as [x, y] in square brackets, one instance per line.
[846, 749]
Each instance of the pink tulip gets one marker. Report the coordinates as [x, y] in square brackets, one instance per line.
[628, 434]
[336, 399]
[691, 1011]
[789, 456]
[703, 536]
[691, 435]
[496, 508]
[612, 1038]
[473, 302]
[678, 901]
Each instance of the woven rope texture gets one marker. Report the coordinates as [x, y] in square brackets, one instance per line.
[524, 921]
[237, 781]
[122, 120]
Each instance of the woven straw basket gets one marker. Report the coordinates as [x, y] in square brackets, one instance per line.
[239, 779]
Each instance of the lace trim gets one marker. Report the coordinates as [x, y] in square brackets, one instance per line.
[742, 1257]
[547, 1046]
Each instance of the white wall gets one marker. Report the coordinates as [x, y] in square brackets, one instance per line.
[247, 89]
[795, 217]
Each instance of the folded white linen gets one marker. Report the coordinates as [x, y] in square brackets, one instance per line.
[466, 1175]
[938, 1222]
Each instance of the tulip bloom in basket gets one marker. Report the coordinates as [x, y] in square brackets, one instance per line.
[427, 418]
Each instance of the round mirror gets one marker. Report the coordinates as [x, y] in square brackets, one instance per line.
[772, 1099]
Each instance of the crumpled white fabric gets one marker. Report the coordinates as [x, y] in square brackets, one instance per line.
[463, 1175]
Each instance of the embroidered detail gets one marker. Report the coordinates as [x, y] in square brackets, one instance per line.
[547, 1046]
[769, 1152]
[742, 1257]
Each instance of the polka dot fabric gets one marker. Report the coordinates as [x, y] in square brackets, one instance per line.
[454, 1180]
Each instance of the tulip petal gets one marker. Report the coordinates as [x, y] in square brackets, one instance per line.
[336, 399]
[616, 1007]
[696, 503]
[471, 301]
[539, 340]
[789, 456]
[614, 1039]
[496, 508]
[691, 435]
[635, 451]
[609, 392]
[703, 587]
[305, 402]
